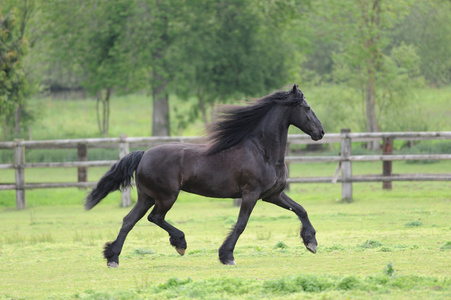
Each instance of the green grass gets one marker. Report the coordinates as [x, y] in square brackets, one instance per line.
[365, 248]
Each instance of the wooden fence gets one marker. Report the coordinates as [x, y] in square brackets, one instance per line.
[344, 159]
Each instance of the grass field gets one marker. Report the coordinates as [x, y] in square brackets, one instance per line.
[386, 245]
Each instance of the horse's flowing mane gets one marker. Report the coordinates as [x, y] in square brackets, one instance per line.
[237, 122]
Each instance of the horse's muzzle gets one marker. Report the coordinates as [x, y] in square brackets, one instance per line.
[317, 137]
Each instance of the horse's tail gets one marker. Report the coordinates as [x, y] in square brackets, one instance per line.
[116, 178]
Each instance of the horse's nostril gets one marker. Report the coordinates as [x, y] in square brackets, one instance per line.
[322, 132]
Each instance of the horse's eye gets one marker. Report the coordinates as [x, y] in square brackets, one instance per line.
[307, 108]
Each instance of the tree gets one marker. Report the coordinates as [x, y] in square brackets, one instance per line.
[362, 30]
[214, 50]
[13, 83]
[428, 28]
[236, 48]
[89, 37]
[157, 46]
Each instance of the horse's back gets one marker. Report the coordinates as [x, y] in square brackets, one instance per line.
[160, 169]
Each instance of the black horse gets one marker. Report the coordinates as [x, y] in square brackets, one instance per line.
[244, 158]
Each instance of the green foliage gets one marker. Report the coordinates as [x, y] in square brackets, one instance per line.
[395, 82]
[302, 286]
[94, 35]
[287, 285]
[174, 283]
[234, 55]
[349, 283]
[354, 42]
[396, 86]
[280, 245]
[13, 82]
[428, 28]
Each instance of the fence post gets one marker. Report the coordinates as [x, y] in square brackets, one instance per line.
[82, 151]
[19, 162]
[124, 149]
[346, 166]
[387, 149]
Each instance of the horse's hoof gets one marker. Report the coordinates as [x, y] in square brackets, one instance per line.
[180, 251]
[112, 264]
[311, 247]
[229, 263]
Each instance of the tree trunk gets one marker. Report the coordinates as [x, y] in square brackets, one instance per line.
[17, 115]
[103, 111]
[370, 101]
[160, 119]
[373, 64]
[99, 117]
[106, 113]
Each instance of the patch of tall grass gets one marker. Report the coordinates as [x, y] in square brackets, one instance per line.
[298, 286]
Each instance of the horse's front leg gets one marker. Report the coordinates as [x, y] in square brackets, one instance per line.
[307, 232]
[226, 250]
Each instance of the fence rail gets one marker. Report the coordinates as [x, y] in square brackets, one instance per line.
[123, 143]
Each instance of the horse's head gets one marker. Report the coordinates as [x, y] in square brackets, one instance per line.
[303, 117]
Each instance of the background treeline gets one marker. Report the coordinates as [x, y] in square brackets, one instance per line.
[365, 60]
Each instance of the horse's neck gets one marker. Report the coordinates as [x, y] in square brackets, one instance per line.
[273, 136]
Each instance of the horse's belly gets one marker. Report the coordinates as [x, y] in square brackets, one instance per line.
[211, 193]
[211, 186]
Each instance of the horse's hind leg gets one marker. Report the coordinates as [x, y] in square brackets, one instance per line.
[113, 249]
[176, 236]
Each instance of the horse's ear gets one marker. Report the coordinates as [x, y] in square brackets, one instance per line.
[295, 88]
